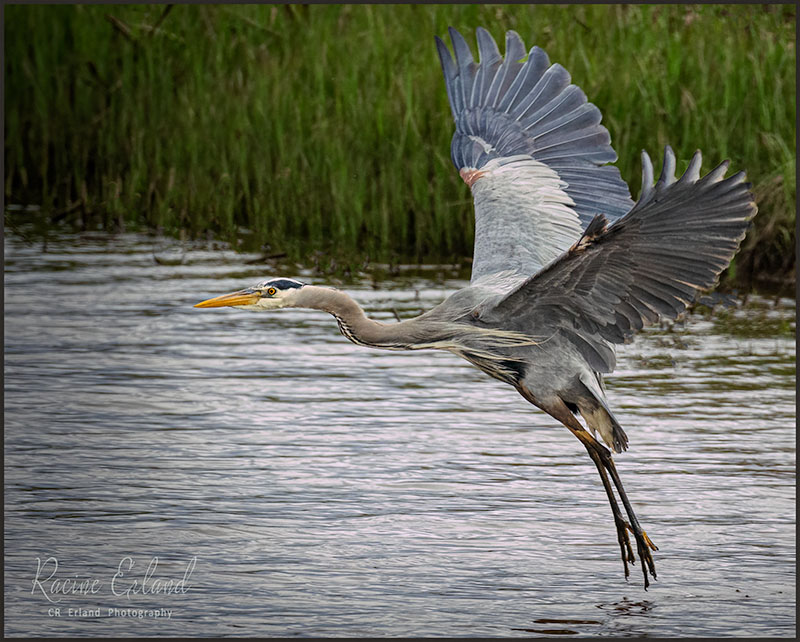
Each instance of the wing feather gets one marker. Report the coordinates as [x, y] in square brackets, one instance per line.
[515, 50]
[530, 198]
[465, 64]
[525, 81]
[507, 107]
[490, 62]
[651, 263]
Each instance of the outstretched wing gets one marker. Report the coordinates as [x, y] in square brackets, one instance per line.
[532, 150]
[675, 241]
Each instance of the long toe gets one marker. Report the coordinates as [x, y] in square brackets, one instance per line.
[649, 542]
[626, 552]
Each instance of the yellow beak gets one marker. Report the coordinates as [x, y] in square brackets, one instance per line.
[242, 297]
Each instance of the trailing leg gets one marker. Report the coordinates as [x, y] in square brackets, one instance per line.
[643, 542]
[605, 467]
[622, 526]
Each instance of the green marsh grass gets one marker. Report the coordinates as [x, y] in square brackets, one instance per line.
[326, 127]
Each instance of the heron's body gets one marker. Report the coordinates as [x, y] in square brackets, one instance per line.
[566, 265]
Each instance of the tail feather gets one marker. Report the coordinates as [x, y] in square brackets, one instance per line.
[598, 416]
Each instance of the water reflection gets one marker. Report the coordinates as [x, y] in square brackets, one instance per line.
[327, 489]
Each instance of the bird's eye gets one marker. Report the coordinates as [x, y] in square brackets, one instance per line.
[271, 291]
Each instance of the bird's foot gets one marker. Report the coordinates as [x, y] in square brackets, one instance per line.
[644, 545]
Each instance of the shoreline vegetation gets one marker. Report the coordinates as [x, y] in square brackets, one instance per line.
[321, 134]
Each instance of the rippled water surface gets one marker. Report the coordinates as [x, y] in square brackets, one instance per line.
[289, 482]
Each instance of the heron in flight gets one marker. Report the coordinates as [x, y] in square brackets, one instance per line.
[565, 264]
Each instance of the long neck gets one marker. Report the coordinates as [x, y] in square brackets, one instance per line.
[353, 323]
[482, 346]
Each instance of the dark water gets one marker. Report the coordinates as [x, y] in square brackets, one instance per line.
[305, 486]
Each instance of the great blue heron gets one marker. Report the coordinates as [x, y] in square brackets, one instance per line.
[565, 264]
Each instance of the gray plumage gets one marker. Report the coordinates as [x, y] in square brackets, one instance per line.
[530, 108]
[553, 289]
[673, 243]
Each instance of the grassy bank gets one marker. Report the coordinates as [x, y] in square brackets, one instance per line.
[327, 128]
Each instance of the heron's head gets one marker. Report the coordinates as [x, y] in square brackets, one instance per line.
[266, 295]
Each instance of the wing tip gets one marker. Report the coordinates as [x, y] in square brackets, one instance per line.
[515, 46]
[442, 49]
[667, 176]
[460, 46]
[647, 176]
